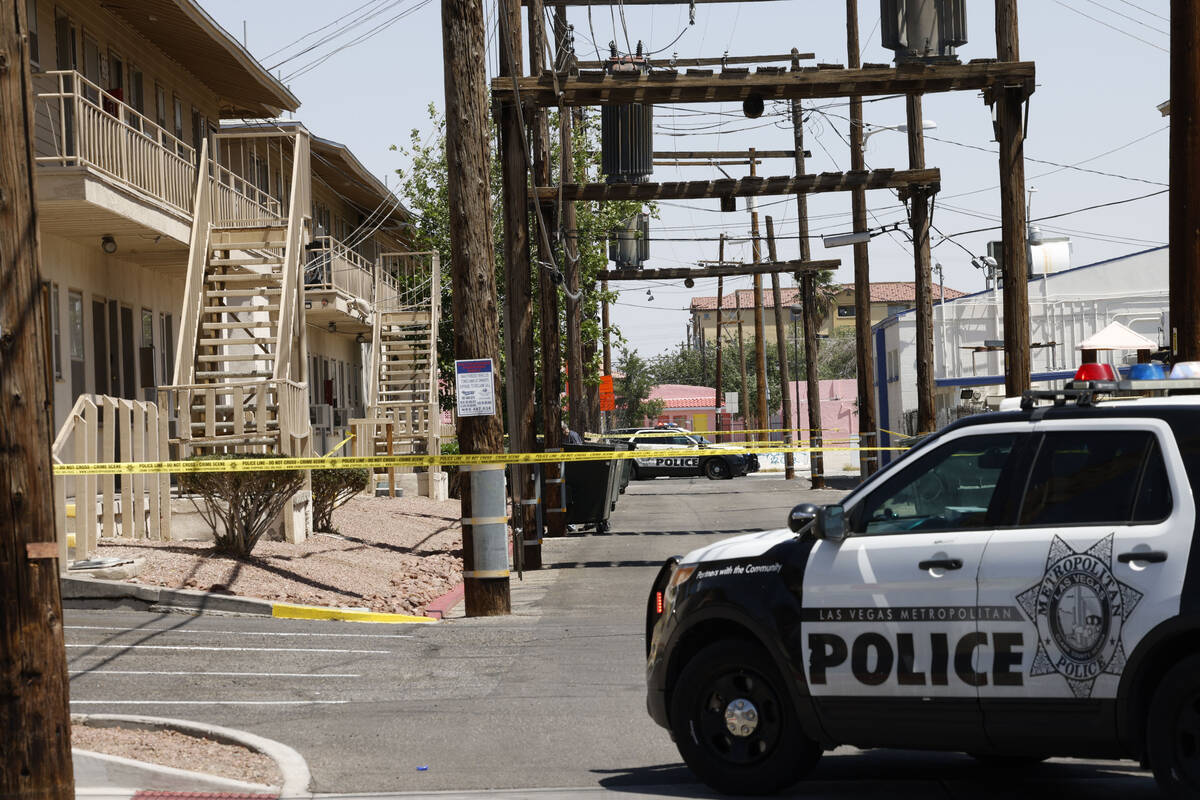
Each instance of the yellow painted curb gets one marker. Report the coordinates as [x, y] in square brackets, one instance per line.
[292, 611]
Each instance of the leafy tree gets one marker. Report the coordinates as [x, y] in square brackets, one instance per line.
[633, 389]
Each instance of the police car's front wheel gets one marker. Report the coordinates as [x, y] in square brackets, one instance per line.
[715, 469]
[1173, 730]
[734, 723]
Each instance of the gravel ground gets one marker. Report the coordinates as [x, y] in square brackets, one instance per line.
[179, 750]
[389, 554]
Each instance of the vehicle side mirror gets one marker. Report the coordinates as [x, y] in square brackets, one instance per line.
[802, 516]
[831, 523]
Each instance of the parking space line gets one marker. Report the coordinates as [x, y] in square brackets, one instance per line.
[237, 633]
[208, 702]
[228, 649]
[215, 674]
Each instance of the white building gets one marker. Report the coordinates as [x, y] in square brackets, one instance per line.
[1065, 308]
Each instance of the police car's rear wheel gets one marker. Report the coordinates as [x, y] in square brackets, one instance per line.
[716, 469]
[634, 475]
[1173, 730]
[734, 724]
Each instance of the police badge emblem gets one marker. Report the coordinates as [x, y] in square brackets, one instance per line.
[1079, 608]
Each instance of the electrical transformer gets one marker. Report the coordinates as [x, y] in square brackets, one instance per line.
[627, 131]
[924, 31]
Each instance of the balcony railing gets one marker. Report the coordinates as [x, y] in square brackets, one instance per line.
[80, 124]
[332, 266]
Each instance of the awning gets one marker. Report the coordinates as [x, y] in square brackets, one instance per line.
[1117, 337]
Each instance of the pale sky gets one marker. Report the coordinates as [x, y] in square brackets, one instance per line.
[1103, 67]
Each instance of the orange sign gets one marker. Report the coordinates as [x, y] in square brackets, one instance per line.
[608, 399]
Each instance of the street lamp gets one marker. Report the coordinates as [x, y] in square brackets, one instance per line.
[926, 125]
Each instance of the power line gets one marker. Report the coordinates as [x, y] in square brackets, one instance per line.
[318, 30]
[1111, 27]
[1063, 214]
[1134, 20]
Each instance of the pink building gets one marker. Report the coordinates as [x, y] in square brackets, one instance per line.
[839, 408]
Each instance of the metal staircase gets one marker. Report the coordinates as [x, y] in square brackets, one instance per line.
[403, 390]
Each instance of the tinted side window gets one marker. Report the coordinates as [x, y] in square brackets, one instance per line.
[1154, 494]
[1094, 477]
[951, 488]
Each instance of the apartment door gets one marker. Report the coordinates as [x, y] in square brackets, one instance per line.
[114, 350]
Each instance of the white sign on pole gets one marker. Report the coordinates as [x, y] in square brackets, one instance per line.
[475, 387]
[731, 402]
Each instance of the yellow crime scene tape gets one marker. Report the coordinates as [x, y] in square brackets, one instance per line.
[648, 435]
[450, 460]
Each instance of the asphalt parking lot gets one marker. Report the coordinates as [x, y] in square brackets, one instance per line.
[547, 702]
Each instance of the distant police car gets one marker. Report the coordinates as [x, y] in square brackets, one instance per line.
[708, 461]
[1021, 585]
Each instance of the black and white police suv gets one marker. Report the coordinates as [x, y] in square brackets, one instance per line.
[1021, 585]
[708, 460]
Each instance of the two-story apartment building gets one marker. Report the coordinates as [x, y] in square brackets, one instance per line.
[887, 299]
[253, 280]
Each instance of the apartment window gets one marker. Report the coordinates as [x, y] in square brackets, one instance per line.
[116, 76]
[178, 118]
[199, 128]
[65, 44]
[75, 327]
[160, 106]
[91, 67]
[31, 22]
[137, 90]
[845, 312]
[56, 331]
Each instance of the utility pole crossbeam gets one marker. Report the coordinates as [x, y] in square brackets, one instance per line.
[919, 198]
[659, 63]
[785, 378]
[860, 180]
[764, 268]
[1010, 104]
[35, 724]
[472, 261]
[810, 83]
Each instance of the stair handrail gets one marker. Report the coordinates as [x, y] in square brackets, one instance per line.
[193, 292]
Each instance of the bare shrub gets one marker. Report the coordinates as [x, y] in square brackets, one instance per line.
[239, 506]
[333, 488]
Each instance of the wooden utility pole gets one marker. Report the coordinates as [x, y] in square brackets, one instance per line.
[785, 379]
[576, 401]
[808, 302]
[717, 398]
[1010, 134]
[518, 294]
[35, 721]
[743, 404]
[1185, 181]
[864, 363]
[919, 197]
[472, 257]
[760, 349]
[551, 501]
[604, 327]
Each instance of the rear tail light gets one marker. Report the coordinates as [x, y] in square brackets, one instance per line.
[658, 602]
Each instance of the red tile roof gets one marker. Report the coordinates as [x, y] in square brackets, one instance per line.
[678, 395]
[881, 292]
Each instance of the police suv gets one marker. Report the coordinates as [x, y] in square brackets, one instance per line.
[1021, 585]
[708, 460]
